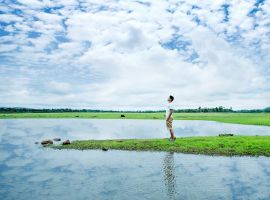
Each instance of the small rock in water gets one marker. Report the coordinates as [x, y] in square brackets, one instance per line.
[36, 142]
[123, 116]
[66, 142]
[104, 149]
[226, 134]
[45, 142]
[56, 139]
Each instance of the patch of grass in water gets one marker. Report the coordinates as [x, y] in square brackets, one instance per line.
[209, 145]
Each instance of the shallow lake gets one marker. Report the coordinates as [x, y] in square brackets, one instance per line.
[29, 171]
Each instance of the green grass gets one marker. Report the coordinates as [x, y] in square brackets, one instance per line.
[237, 118]
[212, 145]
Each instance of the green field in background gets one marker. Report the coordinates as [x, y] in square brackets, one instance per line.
[238, 118]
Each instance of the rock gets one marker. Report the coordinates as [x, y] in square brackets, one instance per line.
[36, 142]
[104, 149]
[225, 134]
[56, 139]
[123, 116]
[66, 142]
[46, 142]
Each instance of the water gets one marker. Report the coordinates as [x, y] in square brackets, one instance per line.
[29, 171]
[114, 128]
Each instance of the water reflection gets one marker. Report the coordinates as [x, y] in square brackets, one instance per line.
[169, 174]
[29, 171]
[113, 128]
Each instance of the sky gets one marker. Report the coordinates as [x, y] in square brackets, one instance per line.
[131, 55]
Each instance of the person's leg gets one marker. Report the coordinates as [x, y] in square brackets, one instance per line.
[171, 131]
[169, 127]
[172, 134]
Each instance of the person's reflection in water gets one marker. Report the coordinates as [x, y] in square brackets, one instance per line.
[169, 174]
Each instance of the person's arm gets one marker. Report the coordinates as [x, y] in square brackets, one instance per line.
[170, 114]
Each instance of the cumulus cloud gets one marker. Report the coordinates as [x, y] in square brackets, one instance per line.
[133, 54]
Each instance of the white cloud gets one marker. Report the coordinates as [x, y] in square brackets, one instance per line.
[8, 47]
[111, 56]
[9, 18]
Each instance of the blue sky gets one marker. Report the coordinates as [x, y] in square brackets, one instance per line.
[133, 54]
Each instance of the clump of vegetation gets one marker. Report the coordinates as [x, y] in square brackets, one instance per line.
[210, 145]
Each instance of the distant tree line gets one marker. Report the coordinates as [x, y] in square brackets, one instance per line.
[222, 109]
[57, 110]
[204, 110]
[266, 110]
[195, 110]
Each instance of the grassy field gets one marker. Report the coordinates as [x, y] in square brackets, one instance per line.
[238, 118]
[212, 145]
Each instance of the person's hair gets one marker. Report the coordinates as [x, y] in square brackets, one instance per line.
[171, 97]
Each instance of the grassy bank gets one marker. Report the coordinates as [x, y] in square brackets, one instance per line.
[212, 145]
[238, 118]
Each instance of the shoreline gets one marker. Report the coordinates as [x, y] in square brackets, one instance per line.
[261, 119]
[206, 145]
